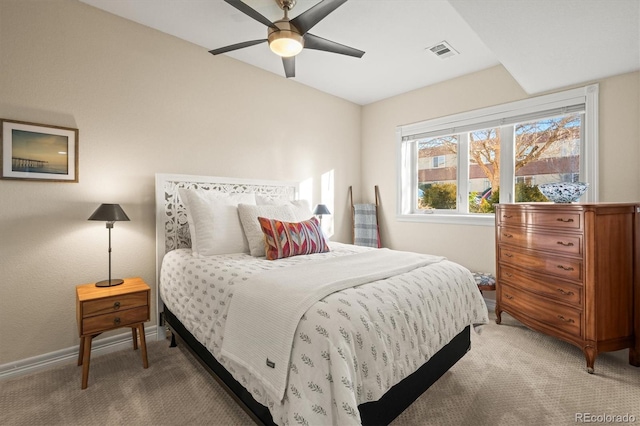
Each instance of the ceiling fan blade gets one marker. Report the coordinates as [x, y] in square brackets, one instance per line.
[236, 46]
[318, 43]
[289, 66]
[306, 20]
[249, 11]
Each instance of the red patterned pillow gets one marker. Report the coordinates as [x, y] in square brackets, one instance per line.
[286, 239]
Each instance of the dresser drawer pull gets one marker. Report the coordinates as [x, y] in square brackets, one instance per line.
[565, 244]
[116, 320]
[509, 274]
[507, 216]
[564, 220]
[569, 320]
[565, 293]
[508, 296]
[565, 268]
[116, 305]
[508, 255]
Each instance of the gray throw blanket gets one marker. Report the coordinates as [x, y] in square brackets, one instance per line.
[365, 225]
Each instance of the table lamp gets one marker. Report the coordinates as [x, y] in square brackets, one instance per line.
[109, 213]
[320, 210]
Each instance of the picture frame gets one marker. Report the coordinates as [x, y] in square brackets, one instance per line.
[38, 152]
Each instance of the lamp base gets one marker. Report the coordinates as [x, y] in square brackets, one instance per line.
[107, 283]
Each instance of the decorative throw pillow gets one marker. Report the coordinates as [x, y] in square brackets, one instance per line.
[286, 239]
[249, 218]
[213, 221]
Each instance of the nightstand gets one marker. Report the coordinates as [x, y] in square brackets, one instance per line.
[100, 309]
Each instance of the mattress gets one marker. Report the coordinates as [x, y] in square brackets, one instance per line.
[350, 347]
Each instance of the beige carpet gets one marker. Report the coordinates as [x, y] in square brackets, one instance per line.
[512, 376]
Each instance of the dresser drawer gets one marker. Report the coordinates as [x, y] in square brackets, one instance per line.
[99, 323]
[523, 237]
[559, 266]
[510, 216]
[543, 285]
[114, 304]
[518, 216]
[558, 220]
[544, 311]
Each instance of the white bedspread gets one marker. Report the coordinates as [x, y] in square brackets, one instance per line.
[267, 307]
[350, 347]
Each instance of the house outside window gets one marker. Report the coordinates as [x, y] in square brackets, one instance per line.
[463, 165]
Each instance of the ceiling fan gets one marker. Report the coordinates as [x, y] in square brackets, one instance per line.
[287, 37]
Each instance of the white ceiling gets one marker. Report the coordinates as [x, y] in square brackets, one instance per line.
[544, 44]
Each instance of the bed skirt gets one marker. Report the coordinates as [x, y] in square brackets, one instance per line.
[381, 412]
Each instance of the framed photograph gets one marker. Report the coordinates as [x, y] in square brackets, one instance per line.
[38, 152]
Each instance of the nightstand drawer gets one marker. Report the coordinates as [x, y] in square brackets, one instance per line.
[113, 320]
[114, 304]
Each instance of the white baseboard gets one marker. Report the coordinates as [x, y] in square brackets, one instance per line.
[65, 356]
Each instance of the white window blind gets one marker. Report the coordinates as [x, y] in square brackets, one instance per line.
[572, 101]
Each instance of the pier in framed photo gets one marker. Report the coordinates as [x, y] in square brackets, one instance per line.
[39, 152]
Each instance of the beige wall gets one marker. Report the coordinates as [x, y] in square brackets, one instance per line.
[473, 246]
[144, 102]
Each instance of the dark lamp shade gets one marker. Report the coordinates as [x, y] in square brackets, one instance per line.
[320, 210]
[109, 213]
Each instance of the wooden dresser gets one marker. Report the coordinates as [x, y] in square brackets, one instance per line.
[569, 271]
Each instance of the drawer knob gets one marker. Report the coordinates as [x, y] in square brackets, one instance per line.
[116, 305]
[508, 235]
[509, 274]
[507, 216]
[564, 220]
[116, 320]
[568, 320]
[508, 296]
[565, 244]
[565, 293]
[565, 268]
[508, 255]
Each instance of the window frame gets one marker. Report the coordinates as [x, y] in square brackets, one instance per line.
[462, 123]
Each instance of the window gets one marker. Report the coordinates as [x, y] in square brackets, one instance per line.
[438, 161]
[456, 168]
[524, 180]
[437, 183]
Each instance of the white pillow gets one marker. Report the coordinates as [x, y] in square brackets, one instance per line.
[302, 210]
[249, 218]
[300, 207]
[213, 221]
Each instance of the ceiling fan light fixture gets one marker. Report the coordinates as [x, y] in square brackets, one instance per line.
[287, 41]
[285, 47]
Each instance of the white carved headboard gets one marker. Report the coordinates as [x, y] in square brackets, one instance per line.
[172, 229]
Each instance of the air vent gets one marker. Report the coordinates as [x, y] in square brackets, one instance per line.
[443, 50]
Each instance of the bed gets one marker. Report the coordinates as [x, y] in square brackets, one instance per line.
[364, 348]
